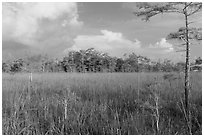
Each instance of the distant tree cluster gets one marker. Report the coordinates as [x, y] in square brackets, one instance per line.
[15, 66]
[91, 60]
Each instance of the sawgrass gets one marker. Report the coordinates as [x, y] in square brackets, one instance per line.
[99, 103]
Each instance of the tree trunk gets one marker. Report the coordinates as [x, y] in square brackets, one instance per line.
[187, 74]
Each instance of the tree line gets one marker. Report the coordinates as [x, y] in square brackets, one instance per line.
[91, 60]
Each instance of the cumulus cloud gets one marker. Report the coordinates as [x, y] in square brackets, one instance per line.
[162, 46]
[108, 41]
[116, 44]
[161, 50]
[24, 22]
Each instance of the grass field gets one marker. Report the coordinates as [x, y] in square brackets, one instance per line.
[99, 103]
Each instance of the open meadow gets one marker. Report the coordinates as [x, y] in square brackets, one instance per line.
[99, 103]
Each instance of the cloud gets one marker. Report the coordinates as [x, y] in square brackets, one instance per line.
[27, 22]
[162, 46]
[163, 50]
[108, 41]
[115, 44]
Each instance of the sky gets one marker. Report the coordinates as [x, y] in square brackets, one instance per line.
[56, 28]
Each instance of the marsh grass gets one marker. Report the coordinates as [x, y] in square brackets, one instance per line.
[98, 104]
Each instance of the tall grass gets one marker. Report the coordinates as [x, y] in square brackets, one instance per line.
[97, 104]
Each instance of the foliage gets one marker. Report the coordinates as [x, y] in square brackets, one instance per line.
[148, 10]
[198, 61]
[91, 60]
[194, 34]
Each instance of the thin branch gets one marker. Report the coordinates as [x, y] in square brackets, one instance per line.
[180, 50]
[187, 5]
[199, 8]
[191, 22]
[183, 44]
[183, 39]
[171, 11]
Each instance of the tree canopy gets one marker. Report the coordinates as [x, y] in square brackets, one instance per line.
[150, 9]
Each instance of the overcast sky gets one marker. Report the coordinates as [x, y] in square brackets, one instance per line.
[55, 28]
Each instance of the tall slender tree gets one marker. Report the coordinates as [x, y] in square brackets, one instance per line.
[149, 10]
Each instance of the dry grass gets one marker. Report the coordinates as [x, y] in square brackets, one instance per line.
[106, 103]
